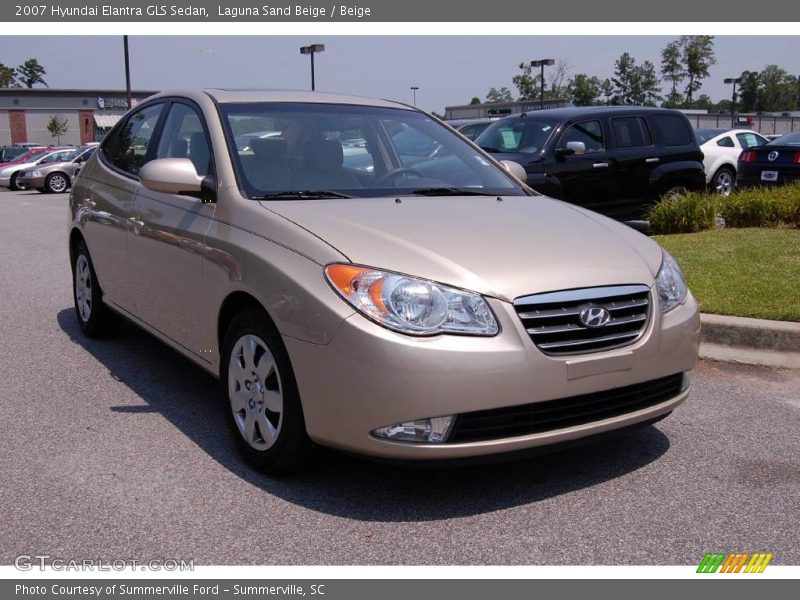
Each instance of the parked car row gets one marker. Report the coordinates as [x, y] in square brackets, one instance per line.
[368, 279]
[50, 171]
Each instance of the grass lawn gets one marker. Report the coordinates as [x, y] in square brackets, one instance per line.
[742, 272]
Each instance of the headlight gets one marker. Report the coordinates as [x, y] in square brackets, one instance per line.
[35, 174]
[410, 305]
[670, 284]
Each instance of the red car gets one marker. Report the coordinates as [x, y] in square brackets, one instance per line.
[26, 156]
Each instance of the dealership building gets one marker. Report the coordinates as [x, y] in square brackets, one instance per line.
[24, 113]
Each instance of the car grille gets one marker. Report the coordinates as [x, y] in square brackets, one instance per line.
[551, 415]
[552, 320]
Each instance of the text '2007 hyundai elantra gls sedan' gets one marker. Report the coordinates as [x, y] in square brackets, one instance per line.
[361, 277]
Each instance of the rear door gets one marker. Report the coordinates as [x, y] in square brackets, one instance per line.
[636, 158]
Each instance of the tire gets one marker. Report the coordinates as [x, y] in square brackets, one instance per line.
[12, 184]
[265, 415]
[56, 183]
[723, 181]
[673, 192]
[94, 317]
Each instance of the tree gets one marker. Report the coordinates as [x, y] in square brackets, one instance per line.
[697, 56]
[559, 79]
[672, 68]
[646, 85]
[30, 73]
[528, 85]
[607, 89]
[748, 91]
[475, 100]
[501, 95]
[623, 79]
[57, 127]
[8, 76]
[584, 90]
[778, 89]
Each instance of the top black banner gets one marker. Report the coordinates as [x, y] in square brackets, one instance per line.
[407, 10]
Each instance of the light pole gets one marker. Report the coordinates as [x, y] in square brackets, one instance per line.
[127, 70]
[312, 49]
[734, 81]
[414, 89]
[549, 62]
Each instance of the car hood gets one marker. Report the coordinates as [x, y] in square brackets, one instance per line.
[502, 247]
[14, 167]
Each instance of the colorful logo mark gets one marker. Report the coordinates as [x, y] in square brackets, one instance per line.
[738, 562]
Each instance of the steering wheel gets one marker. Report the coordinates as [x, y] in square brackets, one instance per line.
[395, 172]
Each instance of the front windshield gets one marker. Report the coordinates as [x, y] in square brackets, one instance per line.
[35, 156]
[790, 139]
[284, 148]
[527, 136]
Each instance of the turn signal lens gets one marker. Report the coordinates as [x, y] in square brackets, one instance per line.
[411, 305]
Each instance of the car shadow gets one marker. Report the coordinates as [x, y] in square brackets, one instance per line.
[347, 486]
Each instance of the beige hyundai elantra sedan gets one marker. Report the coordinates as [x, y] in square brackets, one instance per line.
[361, 277]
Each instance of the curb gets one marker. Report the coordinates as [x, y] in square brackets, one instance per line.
[750, 341]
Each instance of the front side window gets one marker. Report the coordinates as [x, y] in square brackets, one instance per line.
[59, 157]
[128, 150]
[590, 133]
[349, 150]
[527, 136]
[184, 136]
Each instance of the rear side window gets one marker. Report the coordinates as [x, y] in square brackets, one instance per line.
[750, 140]
[725, 142]
[128, 150]
[673, 130]
[631, 132]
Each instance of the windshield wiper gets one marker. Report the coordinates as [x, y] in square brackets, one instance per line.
[448, 191]
[301, 195]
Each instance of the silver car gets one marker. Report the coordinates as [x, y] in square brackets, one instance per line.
[413, 306]
[11, 174]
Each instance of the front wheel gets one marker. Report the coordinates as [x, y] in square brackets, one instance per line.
[265, 414]
[94, 317]
[13, 185]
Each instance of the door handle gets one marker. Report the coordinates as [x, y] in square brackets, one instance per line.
[135, 222]
[654, 159]
[600, 165]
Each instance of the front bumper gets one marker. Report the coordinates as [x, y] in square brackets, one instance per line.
[368, 377]
[5, 181]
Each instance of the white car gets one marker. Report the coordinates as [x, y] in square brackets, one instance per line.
[721, 149]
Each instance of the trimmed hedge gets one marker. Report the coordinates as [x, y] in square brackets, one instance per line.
[754, 207]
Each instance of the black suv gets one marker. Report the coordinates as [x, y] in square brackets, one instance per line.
[616, 160]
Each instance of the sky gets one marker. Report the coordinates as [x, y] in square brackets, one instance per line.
[448, 70]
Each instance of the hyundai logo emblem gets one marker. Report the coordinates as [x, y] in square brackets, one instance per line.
[594, 316]
[772, 155]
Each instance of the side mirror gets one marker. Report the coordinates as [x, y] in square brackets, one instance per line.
[516, 169]
[171, 176]
[573, 148]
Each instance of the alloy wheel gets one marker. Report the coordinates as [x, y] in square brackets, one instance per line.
[723, 183]
[255, 392]
[57, 183]
[83, 288]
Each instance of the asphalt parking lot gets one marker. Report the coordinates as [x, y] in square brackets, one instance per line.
[118, 449]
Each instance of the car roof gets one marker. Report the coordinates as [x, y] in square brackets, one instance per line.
[576, 112]
[251, 95]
